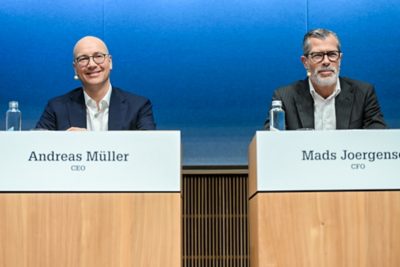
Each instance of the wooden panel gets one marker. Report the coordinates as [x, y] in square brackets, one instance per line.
[325, 229]
[253, 167]
[215, 221]
[90, 229]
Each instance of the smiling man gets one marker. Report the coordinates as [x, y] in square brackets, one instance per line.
[325, 101]
[97, 105]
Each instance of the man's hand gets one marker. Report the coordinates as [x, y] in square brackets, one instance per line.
[76, 129]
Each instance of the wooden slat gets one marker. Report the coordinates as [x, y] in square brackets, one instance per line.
[215, 220]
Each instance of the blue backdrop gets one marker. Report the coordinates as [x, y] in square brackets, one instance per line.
[209, 67]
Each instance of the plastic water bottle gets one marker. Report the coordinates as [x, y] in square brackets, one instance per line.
[277, 116]
[13, 117]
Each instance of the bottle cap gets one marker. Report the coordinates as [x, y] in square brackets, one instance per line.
[13, 104]
[276, 103]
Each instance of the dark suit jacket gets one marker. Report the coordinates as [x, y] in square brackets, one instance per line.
[356, 106]
[127, 111]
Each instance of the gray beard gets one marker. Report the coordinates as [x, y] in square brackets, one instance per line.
[327, 81]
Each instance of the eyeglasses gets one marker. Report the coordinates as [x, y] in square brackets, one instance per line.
[317, 57]
[98, 58]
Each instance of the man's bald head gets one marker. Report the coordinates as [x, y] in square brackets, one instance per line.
[92, 64]
[88, 42]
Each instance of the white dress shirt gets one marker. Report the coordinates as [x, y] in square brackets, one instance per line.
[324, 109]
[97, 116]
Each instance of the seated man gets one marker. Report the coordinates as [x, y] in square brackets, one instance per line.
[96, 106]
[325, 101]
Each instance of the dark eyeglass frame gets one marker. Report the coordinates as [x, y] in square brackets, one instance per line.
[333, 56]
[97, 58]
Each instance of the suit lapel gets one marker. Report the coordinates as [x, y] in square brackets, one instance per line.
[117, 110]
[305, 105]
[77, 110]
[343, 104]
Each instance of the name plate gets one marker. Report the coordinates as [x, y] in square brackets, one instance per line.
[90, 161]
[328, 160]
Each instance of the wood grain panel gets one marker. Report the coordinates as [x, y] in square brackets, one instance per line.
[253, 167]
[325, 229]
[90, 229]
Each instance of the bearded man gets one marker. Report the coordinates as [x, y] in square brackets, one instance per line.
[324, 100]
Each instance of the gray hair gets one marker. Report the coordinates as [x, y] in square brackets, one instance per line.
[319, 34]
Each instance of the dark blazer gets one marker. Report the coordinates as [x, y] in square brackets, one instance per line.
[356, 106]
[127, 111]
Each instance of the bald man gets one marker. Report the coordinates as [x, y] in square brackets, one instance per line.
[97, 105]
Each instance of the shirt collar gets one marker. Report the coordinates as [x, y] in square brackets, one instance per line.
[103, 104]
